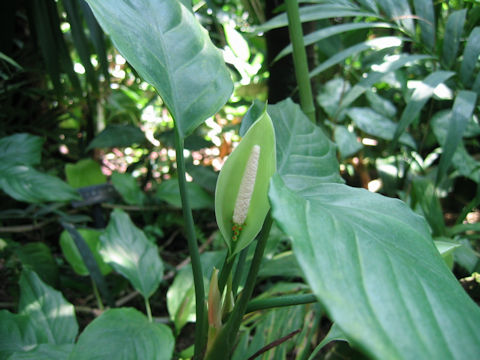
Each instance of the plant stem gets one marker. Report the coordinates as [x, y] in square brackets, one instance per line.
[226, 338]
[280, 301]
[149, 309]
[200, 334]
[225, 271]
[97, 294]
[300, 59]
[239, 270]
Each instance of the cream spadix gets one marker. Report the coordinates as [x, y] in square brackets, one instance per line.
[246, 187]
[241, 195]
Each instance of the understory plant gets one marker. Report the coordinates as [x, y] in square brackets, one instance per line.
[367, 262]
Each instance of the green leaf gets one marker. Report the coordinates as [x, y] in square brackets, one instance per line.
[425, 11]
[381, 105]
[470, 57]
[315, 12]
[423, 192]
[38, 256]
[166, 45]
[49, 314]
[324, 33]
[16, 334]
[128, 188]
[73, 256]
[446, 249]
[399, 11]
[253, 113]
[124, 334]
[181, 294]
[331, 94]
[259, 136]
[304, 154]
[377, 44]
[372, 264]
[465, 164]
[335, 333]
[461, 112]
[199, 199]
[423, 92]
[390, 65]
[85, 172]
[377, 125]
[452, 35]
[128, 251]
[24, 183]
[45, 352]
[21, 149]
[118, 136]
[346, 141]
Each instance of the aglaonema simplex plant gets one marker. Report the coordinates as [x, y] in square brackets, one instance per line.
[369, 260]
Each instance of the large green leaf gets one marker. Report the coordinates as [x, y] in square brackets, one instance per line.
[24, 183]
[16, 334]
[373, 265]
[199, 199]
[452, 35]
[38, 256]
[50, 315]
[86, 172]
[304, 154]
[22, 149]
[44, 352]
[166, 45]
[423, 92]
[128, 187]
[128, 251]
[124, 334]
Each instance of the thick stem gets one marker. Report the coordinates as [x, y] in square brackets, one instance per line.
[300, 59]
[239, 270]
[225, 271]
[224, 343]
[200, 334]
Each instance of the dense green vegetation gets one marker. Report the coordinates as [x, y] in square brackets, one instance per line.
[344, 224]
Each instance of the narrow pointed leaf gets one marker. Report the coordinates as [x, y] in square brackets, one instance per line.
[470, 57]
[461, 112]
[453, 33]
[399, 11]
[261, 134]
[124, 334]
[373, 265]
[423, 92]
[330, 31]
[50, 315]
[129, 252]
[166, 45]
[425, 11]
[375, 76]
[375, 44]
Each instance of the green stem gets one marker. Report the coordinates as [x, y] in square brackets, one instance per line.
[97, 295]
[200, 334]
[225, 271]
[239, 271]
[300, 59]
[149, 309]
[290, 300]
[226, 338]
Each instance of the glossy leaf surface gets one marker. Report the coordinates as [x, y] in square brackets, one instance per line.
[124, 334]
[166, 45]
[261, 133]
[372, 264]
[128, 251]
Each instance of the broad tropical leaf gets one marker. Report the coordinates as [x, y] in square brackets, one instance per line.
[22, 149]
[166, 45]
[373, 265]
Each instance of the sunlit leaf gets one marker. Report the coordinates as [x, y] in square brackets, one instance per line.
[85, 172]
[128, 251]
[166, 45]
